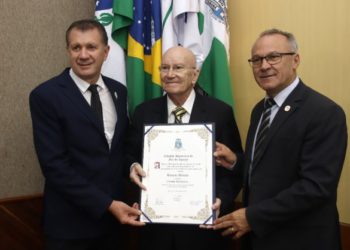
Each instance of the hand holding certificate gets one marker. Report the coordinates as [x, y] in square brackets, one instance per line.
[178, 161]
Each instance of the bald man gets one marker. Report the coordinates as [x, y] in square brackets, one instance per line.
[179, 74]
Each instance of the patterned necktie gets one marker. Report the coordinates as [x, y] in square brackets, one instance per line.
[261, 135]
[178, 113]
[263, 129]
[95, 103]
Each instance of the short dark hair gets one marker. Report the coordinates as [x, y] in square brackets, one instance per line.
[87, 24]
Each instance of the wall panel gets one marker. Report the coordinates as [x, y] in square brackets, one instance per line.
[32, 50]
[322, 30]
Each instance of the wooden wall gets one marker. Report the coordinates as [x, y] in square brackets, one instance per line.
[20, 226]
[20, 223]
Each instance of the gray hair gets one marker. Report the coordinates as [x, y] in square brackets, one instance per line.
[290, 37]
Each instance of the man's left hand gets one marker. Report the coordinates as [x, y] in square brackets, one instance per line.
[235, 224]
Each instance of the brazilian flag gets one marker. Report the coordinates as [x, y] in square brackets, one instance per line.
[144, 52]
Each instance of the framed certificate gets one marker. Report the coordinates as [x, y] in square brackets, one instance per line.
[180, 173]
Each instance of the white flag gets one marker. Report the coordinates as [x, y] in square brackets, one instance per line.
[201, 25]
[114, 66]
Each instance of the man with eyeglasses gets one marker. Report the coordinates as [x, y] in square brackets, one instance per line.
[295, 151]
[179, 74]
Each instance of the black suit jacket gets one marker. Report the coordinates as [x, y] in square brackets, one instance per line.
[292, 196]
[205, 109]
[82, 175]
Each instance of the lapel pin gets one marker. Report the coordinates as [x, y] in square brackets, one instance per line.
[287, 108]
[116, 95]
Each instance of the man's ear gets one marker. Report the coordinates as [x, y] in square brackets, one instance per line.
[106, 50]
[296, 61]
[195, 76]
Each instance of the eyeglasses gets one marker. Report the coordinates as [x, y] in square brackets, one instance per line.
[175, 68]
[272, 58]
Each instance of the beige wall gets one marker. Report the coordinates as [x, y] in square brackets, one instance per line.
[322, 30]
[32, 49]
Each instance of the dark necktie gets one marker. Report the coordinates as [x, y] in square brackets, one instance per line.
[178, 113]
[262, 132]
[263, 128]
[95, 103]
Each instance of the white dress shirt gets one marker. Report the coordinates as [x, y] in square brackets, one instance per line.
[108, 107]
[279, 100]
[188, 105]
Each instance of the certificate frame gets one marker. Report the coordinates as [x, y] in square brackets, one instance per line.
[180, 174]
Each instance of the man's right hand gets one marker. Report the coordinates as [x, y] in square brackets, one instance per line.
[136, 172]
[126, 214]
[224, 156]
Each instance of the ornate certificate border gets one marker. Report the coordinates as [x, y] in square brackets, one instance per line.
[179, 165]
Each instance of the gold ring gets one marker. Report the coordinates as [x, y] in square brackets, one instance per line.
[232, 229]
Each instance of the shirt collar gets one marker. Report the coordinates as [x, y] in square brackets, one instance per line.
[188, 105]
[282, 96]
[83, 85]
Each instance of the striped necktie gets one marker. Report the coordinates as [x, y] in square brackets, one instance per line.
[262, 133]
[178, 114]
[263, 128]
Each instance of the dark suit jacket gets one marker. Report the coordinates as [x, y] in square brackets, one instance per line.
[205, 109]
[292, 197]
[82, 175]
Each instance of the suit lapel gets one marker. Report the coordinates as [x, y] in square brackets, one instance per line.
[118, 105]
[114, 94]
[289, 106]
[72, 92]
[257, 112]
[198, 113]
[161, 111]
[254, 121]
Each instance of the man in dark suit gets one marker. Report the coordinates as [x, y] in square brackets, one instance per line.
[178, 75]
[80, 147]
[295, 151]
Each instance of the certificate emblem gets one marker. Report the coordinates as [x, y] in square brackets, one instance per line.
[178, 143]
